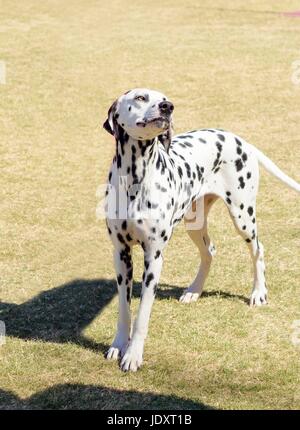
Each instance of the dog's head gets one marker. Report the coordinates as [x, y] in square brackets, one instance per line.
[143, 114]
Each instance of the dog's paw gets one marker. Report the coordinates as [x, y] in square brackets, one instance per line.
[258, 297]
[116, 350]
[132, 359]
[113, 353]
[189, 296]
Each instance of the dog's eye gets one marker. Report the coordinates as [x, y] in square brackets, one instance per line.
[140, 98]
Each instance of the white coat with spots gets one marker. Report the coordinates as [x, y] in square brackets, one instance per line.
[155, 181]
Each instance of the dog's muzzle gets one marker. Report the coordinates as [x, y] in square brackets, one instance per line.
[159, 122]
[166, 107]
[163, 120]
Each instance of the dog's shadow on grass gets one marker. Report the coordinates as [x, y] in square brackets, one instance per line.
[79, 396]
[62, 313]
[176, 292]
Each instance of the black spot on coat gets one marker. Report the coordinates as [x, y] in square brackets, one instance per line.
[238, 164]
[149, 278]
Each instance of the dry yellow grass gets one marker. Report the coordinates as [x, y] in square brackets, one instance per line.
[224, 64]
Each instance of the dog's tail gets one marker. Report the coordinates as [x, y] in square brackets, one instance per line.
[272, 168]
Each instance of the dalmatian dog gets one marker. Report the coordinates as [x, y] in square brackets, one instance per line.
[154, 182]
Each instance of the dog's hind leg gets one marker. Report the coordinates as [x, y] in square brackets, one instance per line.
[206, 248]
[244, 219]
[124, 269]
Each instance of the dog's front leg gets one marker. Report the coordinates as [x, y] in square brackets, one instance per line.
[133, 357]
[123, 267]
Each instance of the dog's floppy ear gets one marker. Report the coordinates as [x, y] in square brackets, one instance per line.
[166, 137]
[110, 124]
[107, 127]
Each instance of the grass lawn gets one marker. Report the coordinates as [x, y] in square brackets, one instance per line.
[223, 64]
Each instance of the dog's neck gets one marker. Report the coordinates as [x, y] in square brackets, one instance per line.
[137, 159]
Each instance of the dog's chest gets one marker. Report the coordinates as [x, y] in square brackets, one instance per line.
[157, 192]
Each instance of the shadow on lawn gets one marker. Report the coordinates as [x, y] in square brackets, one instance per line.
[62, 313]
[78, 396]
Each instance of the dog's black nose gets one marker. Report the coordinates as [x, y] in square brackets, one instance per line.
[166, 107]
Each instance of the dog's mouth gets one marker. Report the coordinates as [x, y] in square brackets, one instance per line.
[159, 121]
